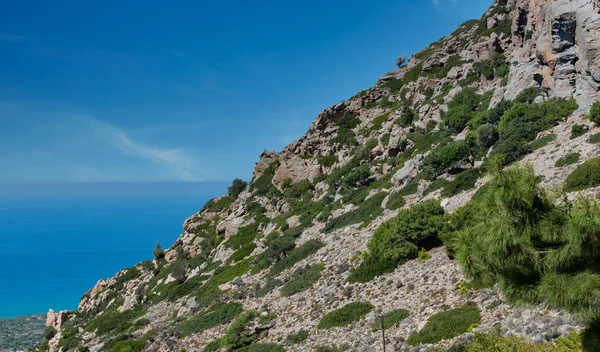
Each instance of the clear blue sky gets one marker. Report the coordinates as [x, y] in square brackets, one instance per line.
[131, 91]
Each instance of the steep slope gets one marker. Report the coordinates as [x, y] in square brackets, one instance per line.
[276, 264]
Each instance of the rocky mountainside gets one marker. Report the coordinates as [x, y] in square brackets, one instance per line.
[22, 333]
[365, 220]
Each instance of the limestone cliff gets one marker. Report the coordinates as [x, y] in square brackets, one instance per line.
[311, 209]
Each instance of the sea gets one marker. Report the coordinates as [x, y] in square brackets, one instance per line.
[57, 241]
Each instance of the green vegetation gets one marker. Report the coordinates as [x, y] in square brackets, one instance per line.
[578, 130]
[594, 139]
[535, 249]
[423, 255]
[445, 158]
[261, 347]
[399, 239]
[347, 314]
[495, 67]
[304, 278]
[487, 136]
[158, 253]
[542, 141]
[395, 201]
[365, 213]
[240, 338]
[390, 319]
[594, 115]
[217, 315]
[263, 185]
[446, 325]
[114, 322]
[407, 117]
[237, 187]
[328, 160]
[297, 254]
[584, 176]
[298, 337]
[268, 287]
[568, 159]
[129, 346]
[345, 136]
[461, 109]
[464, 181]
[491, 342]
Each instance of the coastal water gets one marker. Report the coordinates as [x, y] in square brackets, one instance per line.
[56, 242]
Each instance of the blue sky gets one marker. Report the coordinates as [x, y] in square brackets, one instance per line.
[117, 91]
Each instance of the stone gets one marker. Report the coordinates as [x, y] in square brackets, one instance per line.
[406, 173]
[293, 221]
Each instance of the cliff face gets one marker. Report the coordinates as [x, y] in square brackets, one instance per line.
[285, 248]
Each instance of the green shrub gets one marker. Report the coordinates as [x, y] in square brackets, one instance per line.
[594, 115]
[385, 139]
[395, 201]
[490, 342]
[410, 188]
[584, 176]
[129, 346]
[445, 158]
[347, 314]
[238, 335]
[261, 347]
[297, 254]
[217, 315]
[542, 141]
[399, 239]
[158, 253]
[461, 109]
[113, 322]
[594, 139]
[407, 118]
[487, 136]
[304, 278]
[298, 337]
[446, 325]
[264, 184]
[390, 319]
[268, 287]
[217, 205]
[528, 95]
[328, 160]
[464, 181]
[423, 255]
[568, 159]
[49, 333]
[365, 213]
[358, 176]
[578, 130]
[237, 187]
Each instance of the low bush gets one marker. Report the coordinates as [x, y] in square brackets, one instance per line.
[304, 278]
[568, 159]
[594, 139]
[445, 158]
[370, 268]
[491, 342]
[390, 319]
[328, 160]
[542, 141]
[423, 255]
[464, 181]
[237, 187]
[217, 315]
[347, 314]
[298, 337]
[578, 130]
[261, 347]
[395, 201]
[129, 346]
[264, 184]
[297, 254]
[487, 136]
[268, 287]
[594, 115]
[407, 118]
[584, 176]
[446, 325]
[365, 213]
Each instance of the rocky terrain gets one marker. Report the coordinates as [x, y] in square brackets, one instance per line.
[296, 261]
[22, 333]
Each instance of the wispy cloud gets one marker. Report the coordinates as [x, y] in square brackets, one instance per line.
[4, 37]
[178, 162]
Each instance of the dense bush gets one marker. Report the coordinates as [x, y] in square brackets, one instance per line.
[298, 337]
[367, 211]
[263, 185]
[495, 67]
[578, 130]
[399, 239]
[217, 315]
[446, 325]
[268, 287]
[358, 176]
[237, 187]
[584, 176]
[407, 118]
[528, 95]
[568, 159]
[594, 115]
[113, 322]
[487, 136]
[532, 248]
[304, 278]
[461, 109]
[347, 314]
[328, 160]
[49, 333]
[594, 139]
[445, 158]
[390, 319]
[158, 253]
[238, 335]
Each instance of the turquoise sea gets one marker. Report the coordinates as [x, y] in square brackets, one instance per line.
[57, 241]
